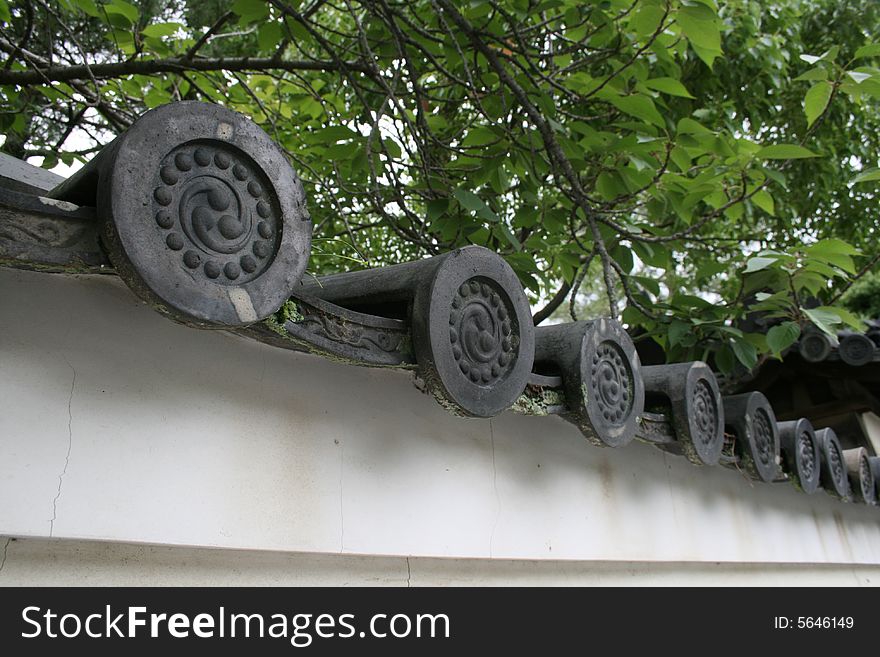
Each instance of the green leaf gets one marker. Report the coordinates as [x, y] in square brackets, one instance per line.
[817, 100]
[624, 257]
[436, 208]
[871, 50]
[725, 359]
[758, 263]
[250, 11]
[269, 36]
[5, 16]
[631, 316]
[745, 352]
[88, 7]
[669, 86]
[647, 19]
[832, 245]
[846, 317]
[677, 331]
[638, 106]
[480, 136]
[690, 127]
[332, 134]
[155, 97]
[510, 237]
[858, 77]
[818, 267]
[831, 252]
[681, 158]
[764, 201]
[782, 336]
[124, 38]
[122, 8]
[648, 283]
[776, 176]
[868, 175]
[784, 152]
[812, 75]
[824, 319]
[810, 280]
[472, 202]
[700, 25]
[708, 56]
[653, 255]
[831, 54]
[690, 301]
[609, 186]
[828, 317]
[157, 30]
[392, 147]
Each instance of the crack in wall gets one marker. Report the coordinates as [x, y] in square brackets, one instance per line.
[69, 447]
[341, 499]
[5, 551]
[408, 574]
[495, 486]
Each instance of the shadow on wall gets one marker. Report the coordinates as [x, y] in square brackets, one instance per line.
[328, 434]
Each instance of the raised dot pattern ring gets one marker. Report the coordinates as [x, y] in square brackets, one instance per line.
[866, 478]
[705, 413]
[226, 226]
[481, 332]
[805, 447]
[835, 462]
[814, 346]
[857, 350]
[611, 383]
[763, 436]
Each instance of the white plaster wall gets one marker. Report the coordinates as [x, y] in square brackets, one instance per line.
[117, 424]
[64, 562]
[871, 425]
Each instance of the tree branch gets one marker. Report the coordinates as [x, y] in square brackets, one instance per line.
[171, 65]
[554, 150]
[864, 270]
[553, 304]
[216, 27]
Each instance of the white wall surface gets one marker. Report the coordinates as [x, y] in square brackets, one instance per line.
[63, 562]
[117, 424]
[871, 425]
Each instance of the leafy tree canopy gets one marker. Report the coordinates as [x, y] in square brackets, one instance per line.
[678, 164]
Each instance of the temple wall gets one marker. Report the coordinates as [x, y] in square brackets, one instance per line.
[120, 427]
[871, 425]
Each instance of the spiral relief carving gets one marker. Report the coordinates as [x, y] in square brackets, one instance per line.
[216, 208]
[835, 462]
[483, 337]
[807, 456]
[866, 477]
[856, 350]
[763, 435]
[611, 382]
[705, 412]
[814, 347]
